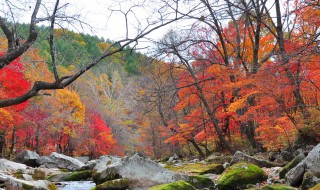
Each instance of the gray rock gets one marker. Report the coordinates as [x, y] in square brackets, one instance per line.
[241, 157]
[286, 155]
[104, 161]
[56, 160]
[47, 162]
[172, 158]
[63, 161]
[89, 165]
[218, 159]
[272, 156]
[28, 158]
[59, 177]
[311, 164]
[194, 160]
[27, 177]
[226, 165]
[295, 175]
[19, 184]
[83, 159]
[313, 161]
[309, 181]
[291, 165]
[140, 171]
[10, 167]
[305, 150]
[117, 184]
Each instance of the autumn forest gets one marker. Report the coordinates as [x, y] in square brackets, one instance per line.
[242, 75]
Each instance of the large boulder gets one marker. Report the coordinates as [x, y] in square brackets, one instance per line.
[83, 159]
[140, 172]
[313, 161]
[200, 182]
[197, 168]
[311, 164]
[28, 158]
[242, 157]
[47, 162]
[291, 165]
[309, 181]
[178, 185]
[78, 175]
[19, 184]
[239, 175]
[117, 184]
[56, 160]
[89, 165]
[295, 175]
[10, 167]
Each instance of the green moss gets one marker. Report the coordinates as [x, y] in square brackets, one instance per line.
[290, 165]
[118, 184]
[277, 187]
[52, 186]
[239, 175]
[64, 170]
[200, 182]
[38, 175]
[317, 187]
[49, 177]
[178, 185]
[308, 181]
[197, 168]
[18, 174]
[78, 176]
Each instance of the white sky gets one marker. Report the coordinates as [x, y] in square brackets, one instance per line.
[97, 14]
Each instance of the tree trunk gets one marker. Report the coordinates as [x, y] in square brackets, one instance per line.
[37, 139]
[12, 141]
[2, 143]
[196, 146]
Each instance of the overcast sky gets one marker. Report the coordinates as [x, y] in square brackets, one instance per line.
[97, 13]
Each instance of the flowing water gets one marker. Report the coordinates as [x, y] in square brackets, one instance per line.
[75, 185]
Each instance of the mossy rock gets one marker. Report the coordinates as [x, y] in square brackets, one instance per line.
[178, 185]
[200, 182]
[18, 174]
[105, 175]
[52, 186]
[239, 175]
[38, 175]
[278, 187]
[309, 180]
[117, 184]
[317, 187]
[290, 165]
[78, 176]
[197, 168]
[64, 170]
[219, 159]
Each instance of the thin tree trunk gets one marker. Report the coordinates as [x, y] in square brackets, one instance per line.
[2, 143]
[196, 146]
[12, 141]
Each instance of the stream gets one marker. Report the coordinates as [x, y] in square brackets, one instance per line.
[75, 185]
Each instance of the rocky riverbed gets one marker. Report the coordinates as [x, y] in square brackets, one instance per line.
[239, 171]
